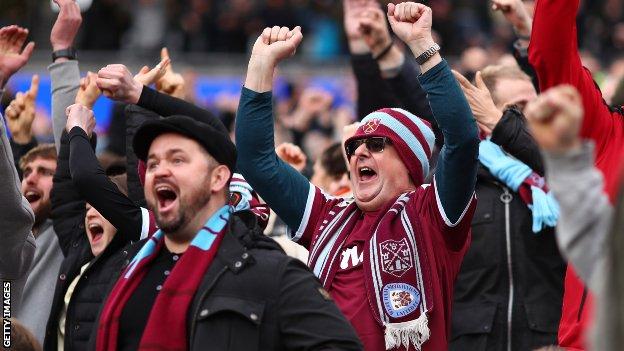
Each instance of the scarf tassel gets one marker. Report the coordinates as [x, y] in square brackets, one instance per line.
[414, 332]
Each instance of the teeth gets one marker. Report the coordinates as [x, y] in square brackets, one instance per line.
[93, 225]
[30, 193]
[163, 188]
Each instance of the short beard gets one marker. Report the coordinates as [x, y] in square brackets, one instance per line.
[186, 211]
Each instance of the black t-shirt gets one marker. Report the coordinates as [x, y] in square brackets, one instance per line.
[137, 310]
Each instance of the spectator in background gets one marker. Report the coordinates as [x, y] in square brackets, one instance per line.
[554, 55]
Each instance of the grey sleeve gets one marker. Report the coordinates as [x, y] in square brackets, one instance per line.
[65, 78]
[17, 243]
[586, 213]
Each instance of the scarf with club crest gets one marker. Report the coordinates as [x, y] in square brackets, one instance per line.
[396, 269]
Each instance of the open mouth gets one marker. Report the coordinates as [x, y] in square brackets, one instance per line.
[32, 196]
[96, 231]
[166, 197]
[366, 174]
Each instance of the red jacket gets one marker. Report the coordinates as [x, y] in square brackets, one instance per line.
[553, 53]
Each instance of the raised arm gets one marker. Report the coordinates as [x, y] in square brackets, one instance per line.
[554, 54]
[281, 186]
[20, 115]
[64, 73]
[92, 183]
[18, 243]
[456, 173]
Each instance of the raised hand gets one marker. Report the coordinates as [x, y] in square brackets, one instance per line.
[80, 116]
[353, 12]
[481, 103]
[516, 14]
[374, 29]
[272, 46]
[12, 57]
[147, 76]
[292, 154]
[66, 26]
[555, 119]
[411, 22]
[88, 92]
[117, 83]
[170, 83]
[20, 113]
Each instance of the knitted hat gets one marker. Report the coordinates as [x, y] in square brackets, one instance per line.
[411, 136]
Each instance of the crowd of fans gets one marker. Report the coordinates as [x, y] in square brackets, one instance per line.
[429, 203]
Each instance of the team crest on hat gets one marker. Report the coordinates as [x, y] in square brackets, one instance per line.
[396, 257]
[400, 299]
[371, 126]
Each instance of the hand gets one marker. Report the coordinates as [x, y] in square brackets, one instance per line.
[272, 46]
[12, 57]
[292, 154]
[516, 14]
[80, 116]
[88, 92]
[411, 22]
[555, 119]
[170, 83]
[481, 103]
[147, 76]
[117, 83]
[20, 113]
[315, 101]
[66, 26]
[353, 10]
[374, 30]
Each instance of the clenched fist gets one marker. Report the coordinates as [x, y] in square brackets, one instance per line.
[276, 44]
[20, 113]
[411, 22]
[80, 116]
[117, 83]
[292, 154]
[555, 119]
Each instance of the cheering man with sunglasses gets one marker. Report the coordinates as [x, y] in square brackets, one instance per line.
[389, 255]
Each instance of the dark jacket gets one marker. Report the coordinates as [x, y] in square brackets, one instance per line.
[78, 178]
[507, 263]
[254, 297]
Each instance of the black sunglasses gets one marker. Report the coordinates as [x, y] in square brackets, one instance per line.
[373, 144]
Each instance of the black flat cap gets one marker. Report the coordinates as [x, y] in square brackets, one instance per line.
[216, 143]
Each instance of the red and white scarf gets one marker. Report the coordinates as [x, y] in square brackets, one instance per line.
[396, 269]
[166, 327]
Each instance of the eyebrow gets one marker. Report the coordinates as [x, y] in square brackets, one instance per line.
[167, 153]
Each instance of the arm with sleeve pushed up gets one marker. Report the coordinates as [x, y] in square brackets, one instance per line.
[18, 243]
[554, 55]
[65, 79]
[166, 105]
[456, 173]
[99, 191]
[512, 134]
[283, 188]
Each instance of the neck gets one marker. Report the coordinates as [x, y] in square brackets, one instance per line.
[179, 241]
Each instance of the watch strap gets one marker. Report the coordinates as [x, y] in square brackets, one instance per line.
[425, 56]
[69, 53]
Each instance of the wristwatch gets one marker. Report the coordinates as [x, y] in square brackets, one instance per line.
[425, 56]
[69, 53]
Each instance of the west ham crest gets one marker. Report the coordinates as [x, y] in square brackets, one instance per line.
[400, 299]
[371, 125]
[396, 257]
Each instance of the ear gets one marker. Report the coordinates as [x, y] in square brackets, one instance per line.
[220, 178]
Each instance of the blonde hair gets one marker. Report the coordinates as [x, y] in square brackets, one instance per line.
[493, 73]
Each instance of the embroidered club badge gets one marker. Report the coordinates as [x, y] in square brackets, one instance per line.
[396, 257]
[371, 126]
[400, 299]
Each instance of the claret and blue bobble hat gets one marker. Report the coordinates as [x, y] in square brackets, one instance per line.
[411, 136]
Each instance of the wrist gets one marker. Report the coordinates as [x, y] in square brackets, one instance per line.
[358, 47]
[135, 93]
[60, 46]
[391, 63]
[380, 46]
[22, 137]
[260, 74]
[419, 46]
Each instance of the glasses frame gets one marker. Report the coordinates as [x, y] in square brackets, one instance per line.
[355, 144]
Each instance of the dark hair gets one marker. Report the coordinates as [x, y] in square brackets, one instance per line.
[333, 161]
[45, 151]
[616, 246]
[22, 339]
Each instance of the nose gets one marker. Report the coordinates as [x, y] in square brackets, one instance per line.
[92, 213]
[32, 178]
[362, 150]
